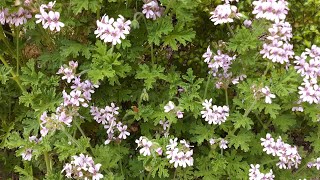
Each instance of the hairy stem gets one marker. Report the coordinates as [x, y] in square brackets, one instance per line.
[121, 169]
[226, 94]
[48, 163]
[82, 132]
[230, 29]
[14, 76]
[207, 85]
[17, 49]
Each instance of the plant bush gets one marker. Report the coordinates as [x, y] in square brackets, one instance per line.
[159, 89]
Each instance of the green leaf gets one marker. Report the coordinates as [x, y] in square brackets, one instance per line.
[4, 74]
[163, 26]
[201, 132]
[240, 121]
[272, 109]
[149, 74]
[67, 148]
[179, 35]
[74, 49]
[285, 122]
[107, 64]
[242, 140]
[315, 141]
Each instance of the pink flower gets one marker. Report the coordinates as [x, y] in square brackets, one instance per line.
[112, 31]
[268, 95]
[224, 14]
[49, 18]
[151, 9]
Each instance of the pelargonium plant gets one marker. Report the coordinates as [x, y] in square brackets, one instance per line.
[159, 89]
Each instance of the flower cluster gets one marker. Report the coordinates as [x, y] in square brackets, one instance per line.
[16, 18]
[214, 114]
[152, 9]
[146, 146]
[308, 65]
[277, 47]
[224, 13]
[49, 18]
[82, 167]
[288, 155]
[314, 163]
[112, 31]
[223, 144]
[255, 174]
[219, 65]
[274, 10]
[179, 154]
[79, 95]
[27, 154]
[107, 117]
[171, 107]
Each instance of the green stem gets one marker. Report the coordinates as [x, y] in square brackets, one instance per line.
[175, 174]
[48, 163]
[149, 175]
[121, 169]
[246, 113]
[6, 42]
[207, 85]
[83, 134]
[70, 137]
[14, 76]
[267, 69]
[145, 22]
[17, 49]
[271, 161]
[152, 55]
[230, 29]
[226, 94]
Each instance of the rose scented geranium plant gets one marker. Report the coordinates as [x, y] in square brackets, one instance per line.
[159, 89]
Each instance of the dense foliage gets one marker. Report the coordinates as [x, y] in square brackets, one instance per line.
[167, 89]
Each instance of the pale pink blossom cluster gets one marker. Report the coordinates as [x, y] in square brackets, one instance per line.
[82, 167]
[314, 163]
[79, 95]
[180, 154]
[223, 144]
[224, 13]
[308, 65]
[146, 146]
[112, 31]
[219, 65]
[288, 155]
[277, 47]
[171, 107]
[237, 79]
[274, 10]
[81, 91]
[49, 18]
[107, 117]
[151, 9]
[255, 174]
[214, 114]
[27, 154]
[298, 107]
[16, 18]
